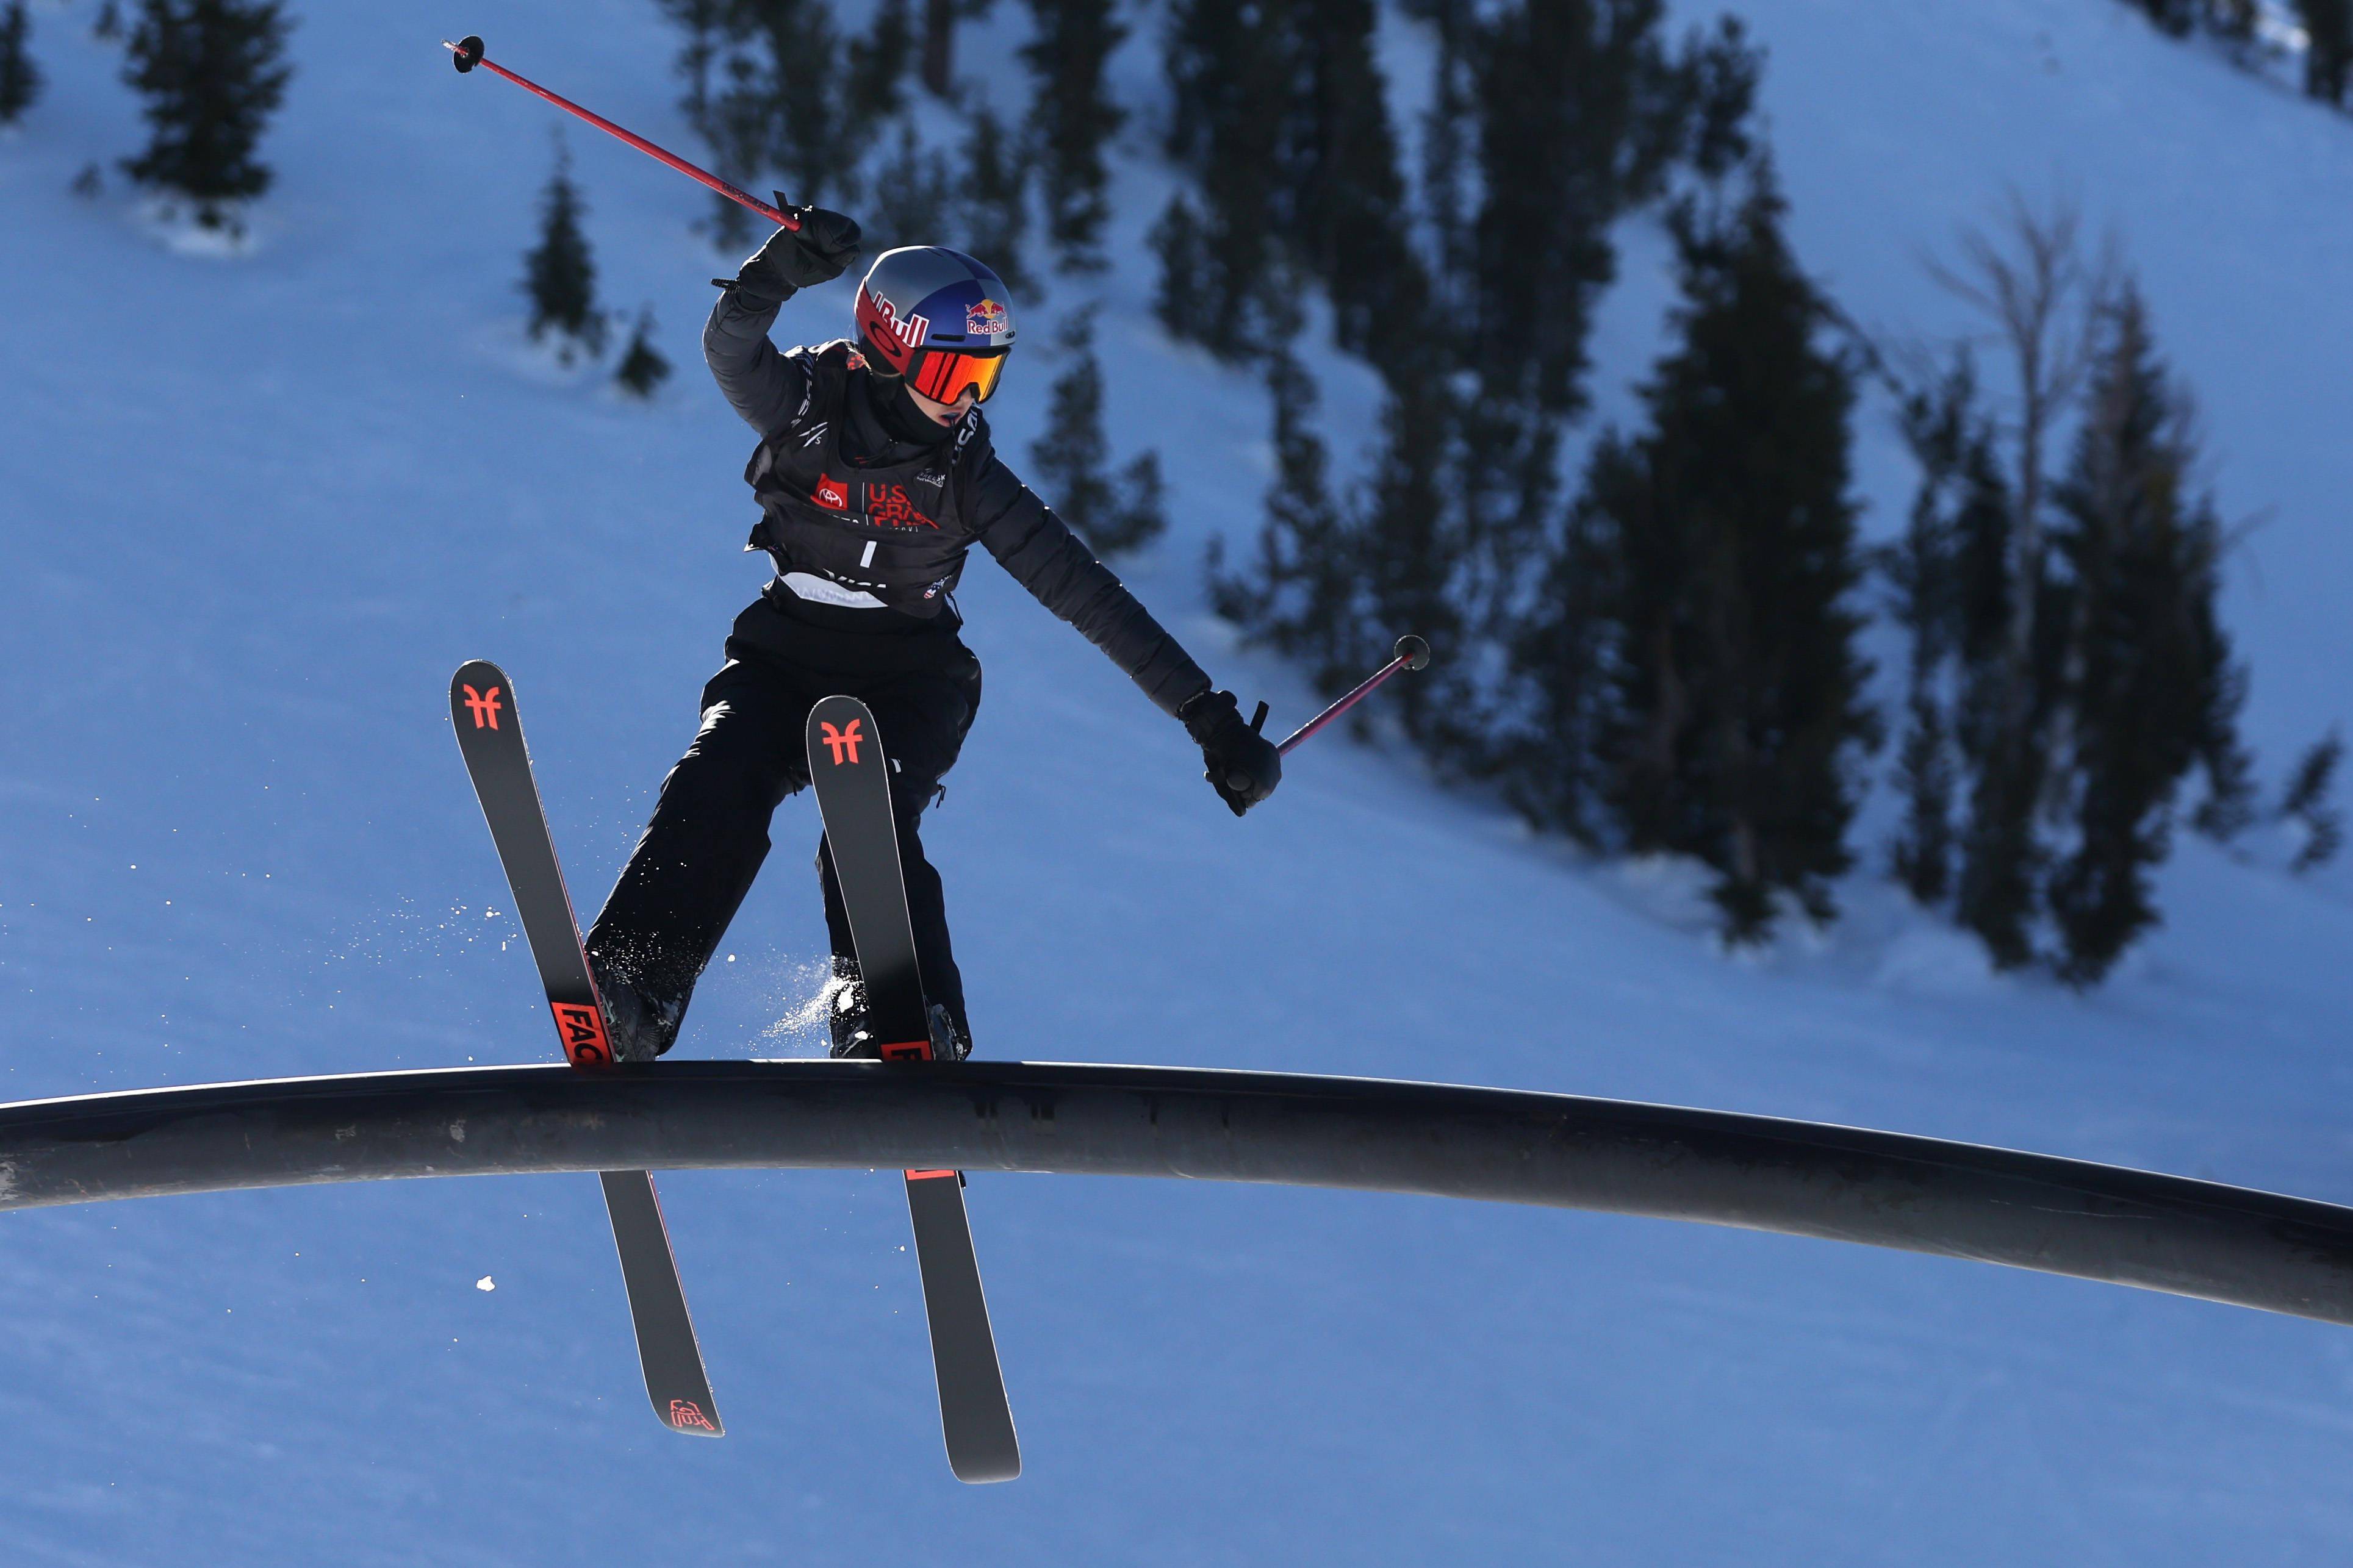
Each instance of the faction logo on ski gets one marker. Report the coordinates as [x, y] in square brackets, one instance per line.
[844, 740]
[889, 505]
[831, 493]
[483, 705]
[583, 1029]
[685, 1413]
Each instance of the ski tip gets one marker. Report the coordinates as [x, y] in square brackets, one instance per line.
[479, 693]
[692, 1417]
[986, 1470]
[474, 671]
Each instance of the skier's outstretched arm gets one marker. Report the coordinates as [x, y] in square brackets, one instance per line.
[1045, 557]
[765, 387]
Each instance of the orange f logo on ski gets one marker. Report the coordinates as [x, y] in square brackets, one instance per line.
[841, 741]
[485, 705]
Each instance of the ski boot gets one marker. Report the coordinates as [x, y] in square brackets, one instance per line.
[642, 1027]
[852, 1037]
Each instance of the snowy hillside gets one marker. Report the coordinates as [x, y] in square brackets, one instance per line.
[254, 510]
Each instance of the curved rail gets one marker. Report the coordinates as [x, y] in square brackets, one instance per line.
[1883, 1189]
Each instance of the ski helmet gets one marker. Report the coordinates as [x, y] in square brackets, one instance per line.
[938, 318]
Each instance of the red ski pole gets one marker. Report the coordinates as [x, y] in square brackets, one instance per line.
[469, 53]
[1412, 653]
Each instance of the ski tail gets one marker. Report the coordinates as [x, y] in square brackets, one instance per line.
[852, 777]
[489, 734]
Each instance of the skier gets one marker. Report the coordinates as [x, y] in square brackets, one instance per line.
[874, 476]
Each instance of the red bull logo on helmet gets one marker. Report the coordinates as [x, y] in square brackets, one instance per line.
[880, 321]
[986, 319]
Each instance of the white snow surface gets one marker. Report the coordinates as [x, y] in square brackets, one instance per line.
[257, 505]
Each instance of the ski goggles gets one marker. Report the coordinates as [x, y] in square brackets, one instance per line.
[944, 375]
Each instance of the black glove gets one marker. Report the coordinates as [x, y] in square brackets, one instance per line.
[794, 260]
[1244, 767]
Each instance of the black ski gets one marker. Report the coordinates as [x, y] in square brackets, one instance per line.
[854, 793]
[489, 734]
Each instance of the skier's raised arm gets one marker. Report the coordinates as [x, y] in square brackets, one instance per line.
[764, 385]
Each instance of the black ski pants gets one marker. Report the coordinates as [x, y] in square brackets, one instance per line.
[709, 835]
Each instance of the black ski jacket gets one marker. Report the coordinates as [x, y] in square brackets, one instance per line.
[1037, 548]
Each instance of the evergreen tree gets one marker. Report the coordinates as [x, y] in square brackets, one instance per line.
[875, 89]
[20, 80]
[702, 22]
[1716, 95]
[108, 25]
[2174, 16]
[1072, 116]
[1950, 573]
[2327, 46]
[211, 73]
[559, 274]
[2308, 803]
[643, 367]
[2149, 680]
[1219, 247]
[769, 89]
[1072, 457]
[1344, 210]
[911, 196]
[994, 206]
[1739, 693]
[939, 46]
[1554, 763]
[1578, 121]
[811, 137]
[1300, 594]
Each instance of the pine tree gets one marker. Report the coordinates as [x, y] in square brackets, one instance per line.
[2327, 46]
[20, 80]
[1218, 247]
[1575, 125]
[643, 367]
[1554, 763]
[939, 46]
[1739, 695]
[108, 25]
[1300, 592]
[1072, 116]
[811, 136]
[994, 210]
[559, 274]
[911, 196]
[701, 20]
[1345, 206]
[211, 73]
[876, 89]
[2149, 677]
[1409, 549]
[1072, 457]
[1950, 574]
[2308, 803]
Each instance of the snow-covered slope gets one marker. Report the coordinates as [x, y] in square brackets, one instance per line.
[255, 511]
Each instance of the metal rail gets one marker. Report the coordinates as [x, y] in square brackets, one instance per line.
[1882, 1189]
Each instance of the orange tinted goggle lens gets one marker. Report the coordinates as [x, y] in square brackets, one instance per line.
[942, 377]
